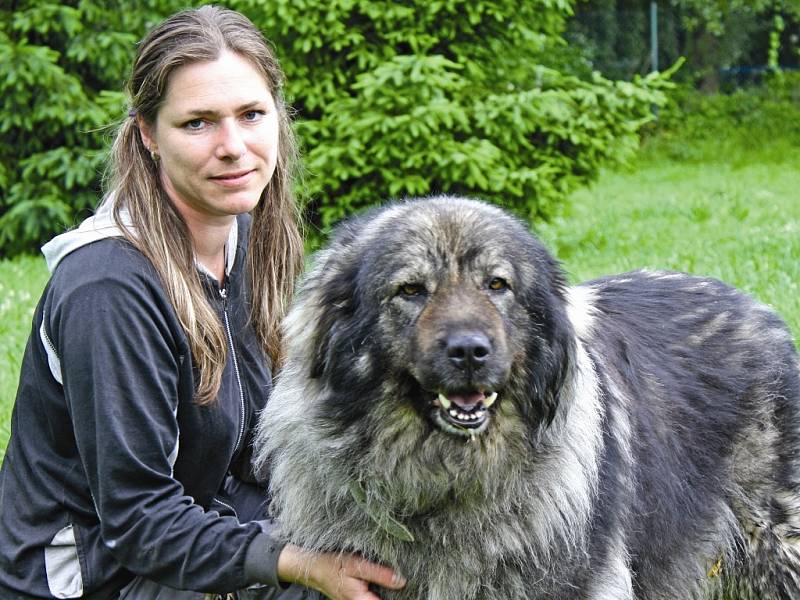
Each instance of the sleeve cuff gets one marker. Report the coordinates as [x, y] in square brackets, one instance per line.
[261, 561]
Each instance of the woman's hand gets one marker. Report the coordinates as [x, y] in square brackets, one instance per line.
[338, 576]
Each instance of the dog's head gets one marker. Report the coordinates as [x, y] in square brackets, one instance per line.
[449, 304]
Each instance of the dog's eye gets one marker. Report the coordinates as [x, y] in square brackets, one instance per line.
[412, 289]
[497, 284]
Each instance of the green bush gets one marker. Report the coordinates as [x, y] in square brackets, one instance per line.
[729, 127]
[392, 99]
[447, 96]
[62, 68]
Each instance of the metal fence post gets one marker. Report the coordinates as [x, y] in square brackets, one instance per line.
[653, 36]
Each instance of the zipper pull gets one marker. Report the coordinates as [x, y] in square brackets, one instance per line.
[223, 293]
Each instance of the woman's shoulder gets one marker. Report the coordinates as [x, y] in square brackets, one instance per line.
[109, 285]
[109, 258]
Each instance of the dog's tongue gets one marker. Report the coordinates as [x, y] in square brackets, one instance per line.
[466, 401]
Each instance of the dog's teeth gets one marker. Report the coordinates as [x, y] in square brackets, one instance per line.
[444, 401]
[453, 412]
[489, 400]
[479, 414]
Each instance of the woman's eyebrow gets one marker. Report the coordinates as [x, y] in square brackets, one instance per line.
[201, 112]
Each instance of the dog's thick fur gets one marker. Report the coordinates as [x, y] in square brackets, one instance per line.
[644, 442]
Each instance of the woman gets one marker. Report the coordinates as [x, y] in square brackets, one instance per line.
[128, 473]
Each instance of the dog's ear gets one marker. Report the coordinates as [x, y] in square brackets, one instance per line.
[551, 344]
[335, 311]
[343, 324]
[340, 340]
[322, 342]
[333, 277]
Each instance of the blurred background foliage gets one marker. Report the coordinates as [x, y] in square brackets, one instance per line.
[517, 102]
[727, 43]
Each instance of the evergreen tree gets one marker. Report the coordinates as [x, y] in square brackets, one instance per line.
[446, 96]
[62, 69]
[425, 96]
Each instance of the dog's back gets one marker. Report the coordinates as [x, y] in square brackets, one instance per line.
[709, 386]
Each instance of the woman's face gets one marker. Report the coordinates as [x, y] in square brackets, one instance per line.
[216, 135]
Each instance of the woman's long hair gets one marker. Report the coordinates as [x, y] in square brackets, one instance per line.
[274, 255]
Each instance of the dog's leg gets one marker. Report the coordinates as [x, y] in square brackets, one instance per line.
[770, 568]
[767, 506]
[614, 582]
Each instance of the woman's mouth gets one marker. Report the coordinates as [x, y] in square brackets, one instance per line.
[234, 179]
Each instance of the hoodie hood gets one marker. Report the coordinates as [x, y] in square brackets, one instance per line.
[102, 225]
[97, 227]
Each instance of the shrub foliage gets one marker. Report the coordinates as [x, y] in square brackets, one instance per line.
[62, 67]
[446, 96]
[697, 127]
[392, 99]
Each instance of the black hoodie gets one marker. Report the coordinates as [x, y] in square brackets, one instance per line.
[112, 469]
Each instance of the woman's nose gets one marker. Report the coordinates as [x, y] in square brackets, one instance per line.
[230, 144]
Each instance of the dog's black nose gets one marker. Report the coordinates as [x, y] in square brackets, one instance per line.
[468, 350]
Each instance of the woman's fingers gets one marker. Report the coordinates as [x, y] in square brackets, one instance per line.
[338, 576]
[347, 587]
[360, 568]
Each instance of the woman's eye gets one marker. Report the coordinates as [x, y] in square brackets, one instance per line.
[253, 115]
[497, 284]
[412, 289]
[194, 124]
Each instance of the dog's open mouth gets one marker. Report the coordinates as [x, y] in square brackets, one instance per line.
[463, 413]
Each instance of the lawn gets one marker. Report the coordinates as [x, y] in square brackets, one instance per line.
[21, 282]
[739, 223]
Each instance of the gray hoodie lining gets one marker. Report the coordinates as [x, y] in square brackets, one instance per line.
[101, 225]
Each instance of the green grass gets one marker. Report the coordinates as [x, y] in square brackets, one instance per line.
[738, 221]
[741, 225]
[21, 283]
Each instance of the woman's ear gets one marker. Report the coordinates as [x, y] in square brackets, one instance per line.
[146, 132]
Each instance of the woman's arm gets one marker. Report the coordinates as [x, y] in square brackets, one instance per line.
[120, 357]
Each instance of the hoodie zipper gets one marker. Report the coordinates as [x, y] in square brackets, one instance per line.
[223, 292]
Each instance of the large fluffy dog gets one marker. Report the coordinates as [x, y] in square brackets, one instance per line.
[449, 406]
